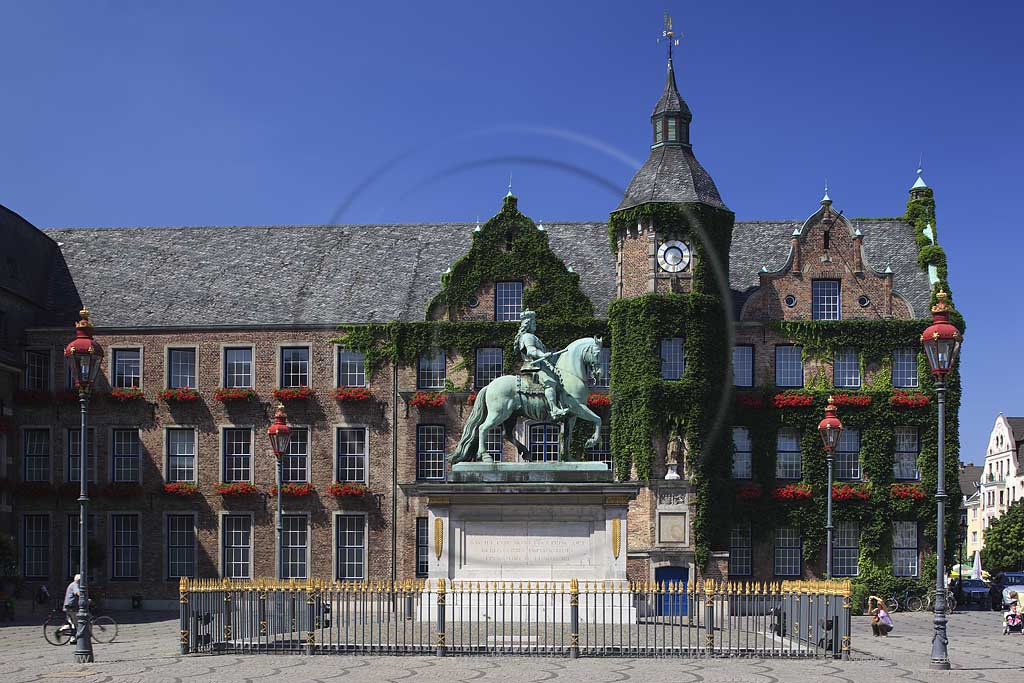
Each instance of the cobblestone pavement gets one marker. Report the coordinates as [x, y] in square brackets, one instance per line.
[146, 651]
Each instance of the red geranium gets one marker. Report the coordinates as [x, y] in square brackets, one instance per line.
[352, 393]
[184, 489]
[792, 492]
[907, 491]
[180, 395]
[748, 400]
[339, 490]
[126, 394]
[427, 399]
[225, 394]
[293, 489]
[904, 399]
[748, 492]
[471, 399]
[599, 400]
[792, 400]
[294, 393]
[238, 488]
[851, 492]
[857, 400]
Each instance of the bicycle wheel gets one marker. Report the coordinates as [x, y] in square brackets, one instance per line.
[56, 630]
[104, 629]
[893, 604]
[914, 604]
[950, 603]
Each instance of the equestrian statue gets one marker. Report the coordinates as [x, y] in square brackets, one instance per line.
[551, 387]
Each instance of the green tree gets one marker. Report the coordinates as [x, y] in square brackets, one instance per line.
[1003, 549]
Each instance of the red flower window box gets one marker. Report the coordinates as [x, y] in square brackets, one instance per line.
[748, 492]
[907, 492]
[794, 400]
[293, 489]
[184, 489]
[905, 399]
[238, 488]
[294, 393]
[750, 400]
[125, 394]
[225, 394]
[599, 400]
[851, 492]
[792, 492]
[340, 490]
[182, 395]
[853, 400]
[427, 399]
[352, 394]
[121, 490]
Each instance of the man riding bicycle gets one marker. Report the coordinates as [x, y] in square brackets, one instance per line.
[71, 597]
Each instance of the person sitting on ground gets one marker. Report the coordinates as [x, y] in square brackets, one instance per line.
[881, 622]
[1012, 621]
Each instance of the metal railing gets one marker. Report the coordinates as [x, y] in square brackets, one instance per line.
[572, 619]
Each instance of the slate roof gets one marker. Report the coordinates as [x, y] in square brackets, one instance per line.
[969, 476]
[670, 99]
[1017, 425]
[332, 274]
[671, 174]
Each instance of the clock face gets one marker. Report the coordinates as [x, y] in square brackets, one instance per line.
[673, 256]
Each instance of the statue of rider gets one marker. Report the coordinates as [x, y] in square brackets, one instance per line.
[537, 359]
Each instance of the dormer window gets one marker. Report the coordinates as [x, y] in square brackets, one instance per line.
[672, 133]
[658, 131]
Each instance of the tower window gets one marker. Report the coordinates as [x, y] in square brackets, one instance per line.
[658, 131]
[672, 135]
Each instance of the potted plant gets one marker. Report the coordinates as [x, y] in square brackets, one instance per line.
[352, 393]
[234, 489]
[184, 489]
[125, 394]
[225, 394]
[427, 399]
[181, 395]
[347, 489]
[294, 393]
[294, 489]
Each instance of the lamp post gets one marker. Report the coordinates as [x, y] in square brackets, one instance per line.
[280, 436]
[830, 428]
[83, 357]
[941, 342]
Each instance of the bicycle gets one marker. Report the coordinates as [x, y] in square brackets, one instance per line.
[929, 600]
[58, 629]
[907, 600]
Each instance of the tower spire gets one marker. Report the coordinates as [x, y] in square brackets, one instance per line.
[668, 35]
[920, 169]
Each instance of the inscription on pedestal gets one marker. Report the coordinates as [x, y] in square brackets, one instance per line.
[527, 544]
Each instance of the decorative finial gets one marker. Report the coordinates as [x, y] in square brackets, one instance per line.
[667, 34]
[540, 225]
[826, 200]
[84, 322]
[509, 194]
[942, 305]
[477, 228]
[919, 183]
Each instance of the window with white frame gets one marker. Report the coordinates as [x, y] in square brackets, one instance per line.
[848, 454]
[825, 300]
[904, 463]
[673, 358]
[429, 452]
[904, 369]
[422, 547]
[788, 551]
[73, 547]
[295, 529]
[787, 455]
[789, 366]
[238, 367]
[351, 368]
[430, 371]
[294, 366]
[181, 454]
[236, 542]
[181, 546]
[544, 442]
[237, 454]
[846, 549]
[846, 369]
[490, 362]
[740, 557]
[350, 547]
[494, 440]
[127, 368]
[36, 459]
[743, 365]
[741, 453]
[904, 548]
[35, 546]
[124, 545]
[181, 368]
[602, 452]
[351, 450]
[508, 300]
[604, 364]
[37, 371]
[74, 472]
[125, 454]
[294, 466]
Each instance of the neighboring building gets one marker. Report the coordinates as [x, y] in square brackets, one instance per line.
[827, 304]
[969, 502]
[1002, 481]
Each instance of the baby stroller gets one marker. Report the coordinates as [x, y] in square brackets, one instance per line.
[1012, 623]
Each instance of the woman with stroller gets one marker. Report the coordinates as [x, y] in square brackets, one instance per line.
[881, 622]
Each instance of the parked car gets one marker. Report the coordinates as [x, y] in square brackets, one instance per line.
[974, 590]
[1010, 582]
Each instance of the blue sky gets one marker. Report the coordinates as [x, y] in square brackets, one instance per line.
[164, 113]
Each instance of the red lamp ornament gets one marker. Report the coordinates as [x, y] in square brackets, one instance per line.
[83, 355]
[941, 339]
[279, 432]
[830, 428]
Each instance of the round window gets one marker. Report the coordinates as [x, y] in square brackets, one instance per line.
[790, 300]
[864, 301]
[474, 302]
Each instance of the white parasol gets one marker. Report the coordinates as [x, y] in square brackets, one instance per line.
[976, 572]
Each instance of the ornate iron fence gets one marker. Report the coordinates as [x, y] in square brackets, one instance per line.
[572, 619]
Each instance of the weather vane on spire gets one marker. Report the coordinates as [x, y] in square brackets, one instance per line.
[669, 35]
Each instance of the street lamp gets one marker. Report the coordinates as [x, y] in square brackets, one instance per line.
[941, 341]
[830, 428]
[280, 436]
[83, 356]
